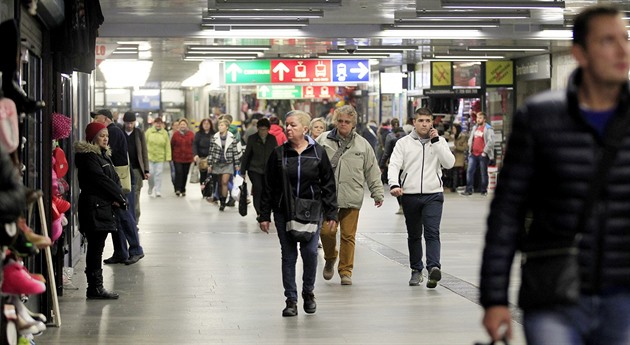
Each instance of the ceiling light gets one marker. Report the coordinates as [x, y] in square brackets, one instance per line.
[355, 57]
[224, 48]
[257, 23]
[217, 57]
[380, 48]
[472, 14]
[250, 4]
[470, 57]
[507, 49]
[125, 73]
[503, 4]
[221, 55]
[356, 52]
[258, 14]
[447, 24]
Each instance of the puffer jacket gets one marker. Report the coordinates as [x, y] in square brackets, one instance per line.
[182, 147]
[357, 166]
[100, 188]
[551, 158]
[158, 145]
[310, 175]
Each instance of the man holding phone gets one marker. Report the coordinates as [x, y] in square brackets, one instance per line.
[421, 155]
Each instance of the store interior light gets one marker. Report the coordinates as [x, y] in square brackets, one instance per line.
[211, 48]
[507, 49]
[518, 14]
[125, 73]
[424, 23]
[261, 14]
[269, 23]
[273, 4]
[396, 49]
[504, 4]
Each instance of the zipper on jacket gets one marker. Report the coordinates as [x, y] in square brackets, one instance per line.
[599, 235]
[422, 171]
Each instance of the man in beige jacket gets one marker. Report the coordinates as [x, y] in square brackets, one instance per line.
[354, 163]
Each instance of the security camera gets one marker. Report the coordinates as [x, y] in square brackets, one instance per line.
[351, 49]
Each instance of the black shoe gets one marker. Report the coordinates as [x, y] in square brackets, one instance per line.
[291, 308]
[435, 275]
[231, 203]
[466, 193]
[484, 193]
[133, 259]
[309, 302]
[100, 293]
[416, 278]
[114, 260]
[177, 193]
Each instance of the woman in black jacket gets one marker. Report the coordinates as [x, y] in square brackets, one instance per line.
[201, 150]
[305, 166]
[254, 161]
[100, 193]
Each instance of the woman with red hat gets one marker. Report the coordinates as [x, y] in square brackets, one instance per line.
[100, 194]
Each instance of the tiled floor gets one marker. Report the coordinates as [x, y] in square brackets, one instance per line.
[212, 277]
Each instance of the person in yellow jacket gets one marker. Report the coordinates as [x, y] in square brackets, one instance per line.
[159, 148]
[354, 163]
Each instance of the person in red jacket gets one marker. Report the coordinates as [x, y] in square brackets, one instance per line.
[276, 130]
[181, 146]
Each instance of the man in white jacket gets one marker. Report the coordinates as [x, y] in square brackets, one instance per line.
[415, 172]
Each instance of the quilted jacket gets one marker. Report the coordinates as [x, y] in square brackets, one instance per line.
[551, 157]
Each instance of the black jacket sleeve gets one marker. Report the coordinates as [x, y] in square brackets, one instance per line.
[328, 187]
[247, 156]
[507, 213]
[12, 193]
[273, 186]
[99, 183]
[118, 144]
[196, 143]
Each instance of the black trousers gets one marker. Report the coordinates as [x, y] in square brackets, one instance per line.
[258, 184]
[94, 255]
[181, 176]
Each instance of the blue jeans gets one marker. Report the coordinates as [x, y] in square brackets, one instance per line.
[596, 319]
[289, 250]
[127, 232]
[423, 212]
[474, 163]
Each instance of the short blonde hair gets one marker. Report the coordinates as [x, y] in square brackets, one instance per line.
[318, 119]
[346, 110]
[303, 117]
[225, 122]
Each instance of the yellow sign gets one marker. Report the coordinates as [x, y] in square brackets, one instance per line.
[499, 73]
[440, 73]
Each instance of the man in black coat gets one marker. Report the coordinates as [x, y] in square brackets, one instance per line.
[552, 163]
[254, 160]
[126, 218]
[138, 158]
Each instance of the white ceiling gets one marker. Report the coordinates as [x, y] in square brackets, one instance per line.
[169, 25]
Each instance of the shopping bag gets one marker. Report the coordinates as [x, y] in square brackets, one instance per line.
[242, 202]
[194, 173]
[237, 181]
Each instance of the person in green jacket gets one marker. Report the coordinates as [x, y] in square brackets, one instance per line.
[354, 163]
[159, 148]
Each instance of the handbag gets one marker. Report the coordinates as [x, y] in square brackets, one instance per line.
[194, 174]
[242, 201]
[125, 177]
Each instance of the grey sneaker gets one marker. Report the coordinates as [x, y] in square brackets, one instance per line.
[346, 280]
[435, 275]
[329, 269]
[416, 278]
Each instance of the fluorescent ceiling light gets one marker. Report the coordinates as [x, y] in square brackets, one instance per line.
[208, 48]
[257, 23]
[125, 73]
[507, 49]
[422, 23]
[503, 4]
[221, 55]
[378, 48]
[455, 60]
[218, 57]
[355, 57]
[472, 14]
[238, 52]
[357, 52]
[469, 57]
[258, 4]
[258, 14]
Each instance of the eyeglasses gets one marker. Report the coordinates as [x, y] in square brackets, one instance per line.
[347, 122]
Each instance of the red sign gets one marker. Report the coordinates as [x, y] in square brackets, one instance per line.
[301, 71]
[318, 91]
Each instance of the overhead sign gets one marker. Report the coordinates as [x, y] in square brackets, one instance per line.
[294, 91]
[247, 72]
[297, 71]
[351, 71]
[103, 51]
[440, 73]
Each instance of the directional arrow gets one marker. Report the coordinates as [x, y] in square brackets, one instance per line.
[263, 90]
[362, 70]
[281, 68]
[234, 69]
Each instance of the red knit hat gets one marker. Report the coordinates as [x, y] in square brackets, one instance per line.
[92, 130]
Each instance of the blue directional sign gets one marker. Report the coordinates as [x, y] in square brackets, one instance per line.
[350, 71]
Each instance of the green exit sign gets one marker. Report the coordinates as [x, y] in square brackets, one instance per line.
[279, 91]
[248, 72]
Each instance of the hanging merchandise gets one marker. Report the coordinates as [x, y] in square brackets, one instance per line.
[9, 131]
[60, 163]
[61, 126]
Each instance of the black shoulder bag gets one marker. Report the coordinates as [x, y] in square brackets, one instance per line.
[552, 277]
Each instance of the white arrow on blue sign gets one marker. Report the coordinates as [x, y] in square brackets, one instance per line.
[350, 70]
